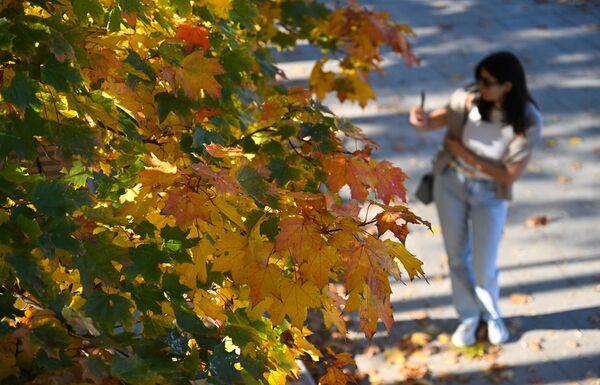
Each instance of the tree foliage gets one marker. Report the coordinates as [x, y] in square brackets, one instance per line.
[197, 213]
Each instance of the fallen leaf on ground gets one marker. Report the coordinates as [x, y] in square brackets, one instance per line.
[520, 298]
[420, 338]
[572, 344]
[538, 220]
[535, 344]
[414, 371]
[419, 315]
[575, 165]
[537, 381]
[551, 143]
[394, 356]
[575, 140]
[498, 373]
[563, 179]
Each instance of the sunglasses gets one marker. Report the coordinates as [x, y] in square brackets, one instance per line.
[487, 82]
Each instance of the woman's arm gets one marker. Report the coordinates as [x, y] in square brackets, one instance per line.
[424, 121]
[505, 174]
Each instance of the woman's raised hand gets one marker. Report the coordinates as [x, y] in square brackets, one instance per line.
[419, 118]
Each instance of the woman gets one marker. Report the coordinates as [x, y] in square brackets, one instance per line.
[492, 130]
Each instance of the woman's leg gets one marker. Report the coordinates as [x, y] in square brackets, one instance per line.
[450, 193]
[488, 217]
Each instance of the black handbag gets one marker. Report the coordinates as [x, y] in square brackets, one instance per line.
[424, 191]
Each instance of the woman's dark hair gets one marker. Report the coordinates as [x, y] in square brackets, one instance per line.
[506, 67]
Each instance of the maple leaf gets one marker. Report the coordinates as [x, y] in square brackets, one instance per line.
[411, 264]
[319, 263]
[197, 73]
[263, 281]
[219, 151]
[219, 7]
[232, 250]
[186, 207]
[299, 236]
[161, 173]
[296, 299]
[390, 182]
[335, 376]
[387, 221]
[352, 172]
[320, 81]
[193, 36]
[223, 182]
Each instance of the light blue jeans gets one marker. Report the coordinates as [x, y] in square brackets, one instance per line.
[472, 219]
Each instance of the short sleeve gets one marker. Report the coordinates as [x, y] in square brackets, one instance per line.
[522, 145]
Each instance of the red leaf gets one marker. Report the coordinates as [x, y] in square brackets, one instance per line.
[193, 36]
[390, 182]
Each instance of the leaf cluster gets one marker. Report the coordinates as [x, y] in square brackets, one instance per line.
[169, 208]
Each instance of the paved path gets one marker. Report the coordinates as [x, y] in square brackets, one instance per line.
[550, 274]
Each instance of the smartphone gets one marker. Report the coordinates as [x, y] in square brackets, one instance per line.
[422, 99]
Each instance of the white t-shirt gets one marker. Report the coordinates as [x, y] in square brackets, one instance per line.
[488, 140]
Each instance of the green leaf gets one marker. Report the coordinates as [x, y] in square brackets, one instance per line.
[29, 227]
[221, 366]
[6, 37]
[92, 7]
[321, 135]
[147, 297]
[96, 262]
[78, 175]
[202, 136]
[54, 198]
[282, 172]
[143, 70]
[168, 102]
[173, 53]
[270, 228]
[133, 370]
[145, 260]
[183, 7]
[189, 322]
[108, 309]
[252, 181]
[21, 92]
[59, 75]
[114, 19]
[29, 273]
[243, 12]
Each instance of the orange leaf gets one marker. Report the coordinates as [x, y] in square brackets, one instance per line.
[193, 36]
[353, 172]
[233, 256]
[161, 173]
[390, 182]
[197, 73]
[202, 115]
[300, 236]
[223, 182]
[219, 151]
[186, 207]
[387, 221]
[263, 281]
[335, 376]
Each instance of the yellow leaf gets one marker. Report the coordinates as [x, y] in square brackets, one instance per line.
[319, 264]
[362, 91]
[263, 281]
[187, 274]
[411, 264]
[197, 73]
[3, 217]
[232, 249]
[321, 82]
[8, 361]
[219, 7]
[296, 298]
[575, 140]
